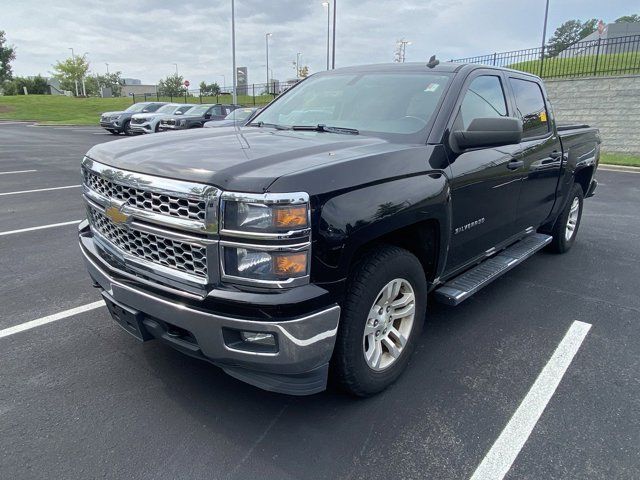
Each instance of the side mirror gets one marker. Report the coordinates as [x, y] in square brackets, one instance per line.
[489, 132]
[178, 113]
[207, 116]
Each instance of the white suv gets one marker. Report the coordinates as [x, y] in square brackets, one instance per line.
[150, 122]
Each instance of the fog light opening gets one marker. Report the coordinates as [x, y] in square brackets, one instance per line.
[257, 338]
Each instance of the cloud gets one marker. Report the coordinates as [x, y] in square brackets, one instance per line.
[144, 38]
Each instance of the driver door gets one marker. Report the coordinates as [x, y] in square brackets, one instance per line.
[485, 182]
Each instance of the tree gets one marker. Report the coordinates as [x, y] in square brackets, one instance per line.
[304, 72]
[112, 80]
[209, 90]
[635, 18]
[7, 55]
[35, 86]
[70, 71]
[172, 86]
[569, 33]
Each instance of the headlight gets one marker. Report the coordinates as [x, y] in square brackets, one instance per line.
[266, 215]
[254, 263]
[275, 234]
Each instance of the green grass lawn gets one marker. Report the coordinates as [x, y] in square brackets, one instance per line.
[620, 159]
[610, 64]
[57, 109]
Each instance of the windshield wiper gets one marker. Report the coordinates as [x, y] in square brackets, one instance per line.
[274, 125]
[323, 128]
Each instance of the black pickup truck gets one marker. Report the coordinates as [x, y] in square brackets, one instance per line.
[304, 245]
[197, 117]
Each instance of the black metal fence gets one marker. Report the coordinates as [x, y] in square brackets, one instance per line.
[604, 56]
[254, 94]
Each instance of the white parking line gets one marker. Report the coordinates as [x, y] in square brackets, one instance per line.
[17, 171]
[498, 460]
[51, 318]
[39, 190]
[41, 227]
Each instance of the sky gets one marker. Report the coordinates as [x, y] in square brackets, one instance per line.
[144, 38]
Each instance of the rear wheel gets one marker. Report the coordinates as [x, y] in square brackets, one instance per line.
[126, 128]
[114, 132]
[566, 228]
[381, 320]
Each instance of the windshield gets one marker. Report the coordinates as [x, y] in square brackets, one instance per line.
[171, 108]
[240, 114]
[199, 110]
[393, 103]
[136, 107]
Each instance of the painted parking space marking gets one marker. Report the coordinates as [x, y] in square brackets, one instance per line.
[17, 171]
[41, 227]
[50, 318]
[498, 460]
[39, 190]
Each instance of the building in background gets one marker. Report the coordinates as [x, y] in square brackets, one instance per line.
[132, 81]
[608, 39]
[138, 89]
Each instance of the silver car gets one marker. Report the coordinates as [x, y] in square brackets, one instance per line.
[150, 122]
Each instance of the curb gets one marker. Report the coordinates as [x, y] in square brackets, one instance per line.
[618, 168]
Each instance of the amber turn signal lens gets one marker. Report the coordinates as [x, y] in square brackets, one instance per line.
[292, 264]
[290, 217]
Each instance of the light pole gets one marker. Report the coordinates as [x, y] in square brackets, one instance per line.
[266, 39]
[176, 69]
[333, 54]
[75, 77]
[544, 36]
[84, 89]
[233, 49]
[326, 4]
[107, 67]
[298, 64]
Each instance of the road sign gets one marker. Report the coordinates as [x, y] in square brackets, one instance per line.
[186, 83]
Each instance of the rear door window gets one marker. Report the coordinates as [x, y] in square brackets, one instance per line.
[531, 107]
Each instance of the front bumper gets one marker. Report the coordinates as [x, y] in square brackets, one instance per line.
[304, 344]
[111, 125]
[141, 127]
[172, 127]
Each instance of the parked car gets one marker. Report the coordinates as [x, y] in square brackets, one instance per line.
[196, 117]
[309, 242]
[119, 122]
[238, 117]
[150, 122]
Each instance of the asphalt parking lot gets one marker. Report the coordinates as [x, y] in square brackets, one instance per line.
[80, 399]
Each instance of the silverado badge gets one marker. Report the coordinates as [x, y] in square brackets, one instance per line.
[115, 215]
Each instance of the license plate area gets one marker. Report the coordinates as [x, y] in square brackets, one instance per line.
[129, 319]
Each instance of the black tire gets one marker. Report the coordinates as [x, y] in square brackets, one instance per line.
[114, 132]
[157, 129]
[349, 369]
[126, 128]
[560, 242]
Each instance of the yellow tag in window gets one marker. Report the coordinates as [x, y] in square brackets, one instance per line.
[543, 116]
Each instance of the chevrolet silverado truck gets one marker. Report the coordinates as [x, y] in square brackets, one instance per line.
[303, 246]
[197, 116]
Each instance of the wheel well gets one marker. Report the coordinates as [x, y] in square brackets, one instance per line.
[583, 178]
[421, 239]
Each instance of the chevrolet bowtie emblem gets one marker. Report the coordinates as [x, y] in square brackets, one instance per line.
[115, 215]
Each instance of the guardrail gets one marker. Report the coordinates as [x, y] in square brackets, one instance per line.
[604, 56]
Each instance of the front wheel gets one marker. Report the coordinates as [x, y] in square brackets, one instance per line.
[126, 128]
[381, 320]
[566, 228]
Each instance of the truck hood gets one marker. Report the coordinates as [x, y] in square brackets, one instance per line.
[110, 114]
[251, 159]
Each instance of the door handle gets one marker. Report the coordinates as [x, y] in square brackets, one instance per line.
[515, 164]
[555, 154]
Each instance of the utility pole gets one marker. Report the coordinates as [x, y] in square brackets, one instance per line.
[326, 4]
[75, 76]
[107, 67]
[401, 51]
[176, 69]
[266, 39]
[233, 49]
[333, 55]
[298, 64]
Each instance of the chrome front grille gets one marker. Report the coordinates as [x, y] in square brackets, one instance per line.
[191, 208]
[138, 121]
[151, 247]
[153, 224]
